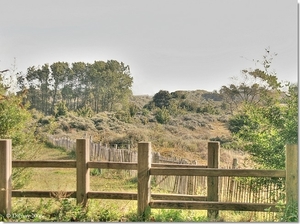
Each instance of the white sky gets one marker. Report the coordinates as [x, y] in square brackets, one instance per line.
[168, 44]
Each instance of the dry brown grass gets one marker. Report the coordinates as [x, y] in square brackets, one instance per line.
[176, 139]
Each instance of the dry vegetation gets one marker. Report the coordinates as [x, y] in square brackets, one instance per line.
[184, 136]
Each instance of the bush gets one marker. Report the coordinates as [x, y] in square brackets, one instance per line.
[162, 116]
[188, 105]
[85, 111]
[81, 123]
[60, 109]
[236, 123]
[17, 124]
[123, 116]
[132, 137]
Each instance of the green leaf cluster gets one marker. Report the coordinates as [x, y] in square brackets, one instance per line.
[267, 116]
[265, 130]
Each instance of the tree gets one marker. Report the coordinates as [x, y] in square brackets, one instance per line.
[100, 86]
[80, 84]
[110, 84]
[257, 87]
[96, 76]
[118, 83]
[162, 99]
[266, 131]
[263, 129]
[60, 73]
[16, 124]
[39, 81]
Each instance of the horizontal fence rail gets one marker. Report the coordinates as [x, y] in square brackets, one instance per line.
[45, 164]
[145, 170]
[212, 205]
[105, 195]
[214, 172]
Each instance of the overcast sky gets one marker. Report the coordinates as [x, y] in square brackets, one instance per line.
[168, 44]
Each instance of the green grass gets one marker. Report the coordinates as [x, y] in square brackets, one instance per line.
[59, 179]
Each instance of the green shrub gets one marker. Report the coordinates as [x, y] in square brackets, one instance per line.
[162, 116]
[60, 109]
[237, 122]
[85, 111]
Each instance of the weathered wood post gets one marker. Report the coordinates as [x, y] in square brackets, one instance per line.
[232, 179]
[291, 174]
[5, 175]
[213, 160]
[83, 173]
[144, 185]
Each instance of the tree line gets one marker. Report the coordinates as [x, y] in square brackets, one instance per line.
[100, 86]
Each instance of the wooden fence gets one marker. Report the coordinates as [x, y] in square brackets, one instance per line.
[146, 169]
[231, 189]
[124, 153]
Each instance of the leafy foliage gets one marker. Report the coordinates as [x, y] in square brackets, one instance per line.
[240, 121]
[60, 109]
[181, 102]
[257, 87]
[162, 115]
[13, 116]
[263, 129]
[266, 130]
[162, 99]
[16, 124]
[85, 111]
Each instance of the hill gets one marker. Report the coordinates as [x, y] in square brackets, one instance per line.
[184, 135]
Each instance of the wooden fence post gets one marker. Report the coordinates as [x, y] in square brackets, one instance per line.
[144, 184]
[231, 181]
[213, 160]
[83, 173]
[5, 175]
[291, 173]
